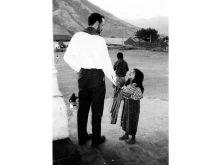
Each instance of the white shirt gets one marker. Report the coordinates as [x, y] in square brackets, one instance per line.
[89, 51]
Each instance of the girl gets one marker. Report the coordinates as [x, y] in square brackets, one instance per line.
[132, 92]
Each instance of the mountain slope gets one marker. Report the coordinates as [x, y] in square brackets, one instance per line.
[70, 16]
[159, 23]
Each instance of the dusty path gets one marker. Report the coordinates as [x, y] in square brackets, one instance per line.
[151, 147]
[152, 137]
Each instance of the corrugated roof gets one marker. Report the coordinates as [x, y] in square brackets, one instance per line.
[138, 40]
[62, 37]
[115, 41]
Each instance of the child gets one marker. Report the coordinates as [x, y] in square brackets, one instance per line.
[73, 101]
[121, 68]
[132, 92]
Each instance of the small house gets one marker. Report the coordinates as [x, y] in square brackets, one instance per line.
[115, 42]
[132, 41]
[58, 38]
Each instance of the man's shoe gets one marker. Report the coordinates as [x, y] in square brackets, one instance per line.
[124, 137]
[98, 142]
[89, 137]
[131, 141]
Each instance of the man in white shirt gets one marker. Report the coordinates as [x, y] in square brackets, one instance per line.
[87, 54]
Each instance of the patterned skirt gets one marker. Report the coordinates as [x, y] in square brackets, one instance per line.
[130, 116]
[116, 106]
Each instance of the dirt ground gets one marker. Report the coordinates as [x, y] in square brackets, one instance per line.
[152, 136]
[154, 65]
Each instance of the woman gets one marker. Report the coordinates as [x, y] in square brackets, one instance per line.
[132, 92]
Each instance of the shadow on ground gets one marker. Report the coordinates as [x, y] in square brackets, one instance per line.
[151, 147]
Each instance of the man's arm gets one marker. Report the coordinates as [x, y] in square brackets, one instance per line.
[107, 64]
[115, 66]
[70, 56]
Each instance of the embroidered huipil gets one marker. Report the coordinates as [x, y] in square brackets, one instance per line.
[132, 92]
[131, 109]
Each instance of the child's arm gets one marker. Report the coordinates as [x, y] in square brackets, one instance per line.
[128, 91]
[132, 92]
[137, 95]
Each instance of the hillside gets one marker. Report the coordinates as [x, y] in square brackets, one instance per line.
[70, 16]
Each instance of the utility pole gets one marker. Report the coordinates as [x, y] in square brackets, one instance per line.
[122, 41]
[149, 38]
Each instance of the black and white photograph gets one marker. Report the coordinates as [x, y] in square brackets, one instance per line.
[133, 82]
[110, 82]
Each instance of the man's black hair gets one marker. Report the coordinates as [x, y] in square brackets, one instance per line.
[95, 17]
[120, 55]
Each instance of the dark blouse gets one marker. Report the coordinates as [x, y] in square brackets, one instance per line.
[121, 68]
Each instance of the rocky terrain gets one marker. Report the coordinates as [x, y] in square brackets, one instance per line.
[70, 16]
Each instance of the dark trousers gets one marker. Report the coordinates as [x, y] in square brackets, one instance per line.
[91, 84]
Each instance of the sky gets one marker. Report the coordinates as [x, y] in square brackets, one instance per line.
[134, 9]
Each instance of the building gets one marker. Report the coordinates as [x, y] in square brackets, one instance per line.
[165, 42]
[132, 41]
[115, 42]
[58, 38]
[64, 38]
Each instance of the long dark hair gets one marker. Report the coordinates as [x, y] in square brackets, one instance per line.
[139, 78]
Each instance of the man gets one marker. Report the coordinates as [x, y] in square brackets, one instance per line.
[121, 68]
[87, 54]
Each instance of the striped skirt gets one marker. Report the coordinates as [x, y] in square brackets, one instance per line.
[130, 116]
[115, 106]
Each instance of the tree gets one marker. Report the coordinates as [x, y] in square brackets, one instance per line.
[167, 38]
[148, 34]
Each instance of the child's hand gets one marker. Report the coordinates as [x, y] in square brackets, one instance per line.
[134, 84]
[123, 87]
[118, 83]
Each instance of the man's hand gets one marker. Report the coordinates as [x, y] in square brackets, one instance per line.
[113, 79]
[77, 103]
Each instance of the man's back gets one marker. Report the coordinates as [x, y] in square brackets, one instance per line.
[88, 49]
[89, 52]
